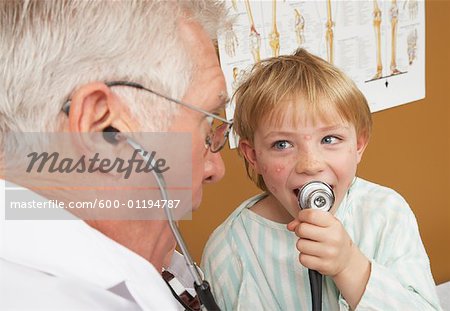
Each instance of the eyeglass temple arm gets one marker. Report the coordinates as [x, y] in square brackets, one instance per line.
[138, 86]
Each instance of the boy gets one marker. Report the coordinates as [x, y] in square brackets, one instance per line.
[300, 119]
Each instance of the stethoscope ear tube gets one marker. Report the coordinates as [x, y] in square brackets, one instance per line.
[316, 195]
[201, 286]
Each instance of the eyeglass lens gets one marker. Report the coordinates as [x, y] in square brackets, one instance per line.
[219, 136]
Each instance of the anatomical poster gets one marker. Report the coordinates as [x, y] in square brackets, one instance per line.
[380, 44]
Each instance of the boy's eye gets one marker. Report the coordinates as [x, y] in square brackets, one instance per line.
[281, 144]
[330, 140]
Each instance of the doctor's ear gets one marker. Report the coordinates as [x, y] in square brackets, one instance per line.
[95, 108]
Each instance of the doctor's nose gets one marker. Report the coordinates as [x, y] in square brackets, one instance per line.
[214, 167]
[309, 163]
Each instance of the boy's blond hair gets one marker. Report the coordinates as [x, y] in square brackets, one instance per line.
[273, 84]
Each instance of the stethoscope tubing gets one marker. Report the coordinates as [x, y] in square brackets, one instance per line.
[201, 286]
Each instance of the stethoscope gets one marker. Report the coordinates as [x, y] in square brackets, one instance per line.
[201, 286]
[316, 195]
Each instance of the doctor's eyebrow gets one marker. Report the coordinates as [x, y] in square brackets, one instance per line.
[224, 99]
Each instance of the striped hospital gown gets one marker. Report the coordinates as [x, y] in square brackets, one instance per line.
[252, 262]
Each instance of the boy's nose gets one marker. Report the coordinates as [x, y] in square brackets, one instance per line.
[309, 163]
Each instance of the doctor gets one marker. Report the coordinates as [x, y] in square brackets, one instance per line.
[59, 52]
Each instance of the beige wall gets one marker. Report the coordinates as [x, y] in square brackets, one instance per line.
[409, 151]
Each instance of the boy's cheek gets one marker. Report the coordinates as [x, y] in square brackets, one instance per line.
[272, 189]
[279, 169]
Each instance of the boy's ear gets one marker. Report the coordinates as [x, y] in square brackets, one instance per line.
[361, 144]
[248, 151]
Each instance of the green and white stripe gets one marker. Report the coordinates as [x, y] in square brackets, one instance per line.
[252, 262]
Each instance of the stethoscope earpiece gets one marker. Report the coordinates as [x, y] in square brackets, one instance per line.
[110, 134]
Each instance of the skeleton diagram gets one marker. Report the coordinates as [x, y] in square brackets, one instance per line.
[412, 45]
[413, 8]
[231, 41]
[254, 36]
[234, 2]
[237, 77]
[329, 34]
[274, 35]
[394, 24]
[299, 27]
[377, 26]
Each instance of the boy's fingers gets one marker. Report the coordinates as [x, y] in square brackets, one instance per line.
[311, 232]
[315, 217]
[293, 224]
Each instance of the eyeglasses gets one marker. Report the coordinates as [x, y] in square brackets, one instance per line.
[218, 135]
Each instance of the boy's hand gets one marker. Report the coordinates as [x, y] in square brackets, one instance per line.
[326, 247]
[323, 243]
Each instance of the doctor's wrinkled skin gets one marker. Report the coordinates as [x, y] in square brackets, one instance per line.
[59, 58]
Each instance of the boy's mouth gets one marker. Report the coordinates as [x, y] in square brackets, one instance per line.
[297, 190]
[309, 194]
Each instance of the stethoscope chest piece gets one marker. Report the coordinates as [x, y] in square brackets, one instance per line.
[316, 195]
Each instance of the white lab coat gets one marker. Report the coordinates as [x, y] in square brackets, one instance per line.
[67, 265]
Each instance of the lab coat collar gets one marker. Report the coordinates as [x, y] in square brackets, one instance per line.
[73, 249]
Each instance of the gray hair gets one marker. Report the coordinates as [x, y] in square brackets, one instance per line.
[49, 48]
